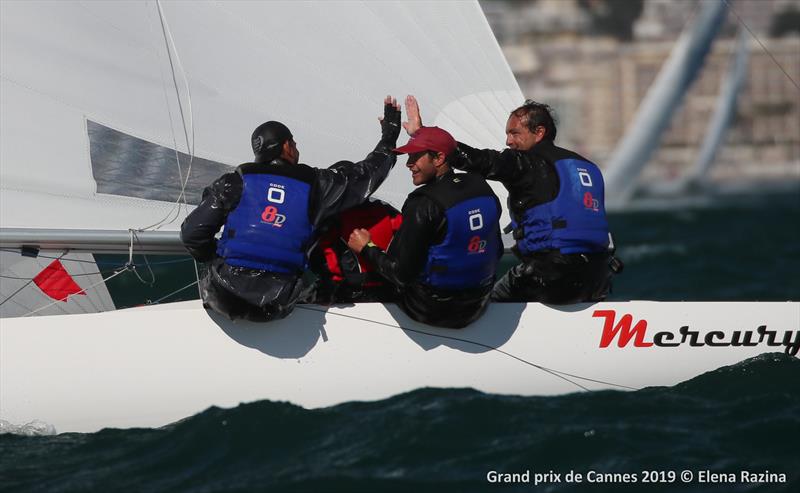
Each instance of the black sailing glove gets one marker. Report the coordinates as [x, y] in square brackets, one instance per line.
[390, 125]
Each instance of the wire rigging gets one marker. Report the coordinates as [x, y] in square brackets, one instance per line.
[169, 42]
[775, 60]
[559, 374]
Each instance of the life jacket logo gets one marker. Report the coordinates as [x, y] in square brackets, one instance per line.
[277, 195]
[589, 202]
[475, 220]
[585, 177]
[476, 245]
[271, 216]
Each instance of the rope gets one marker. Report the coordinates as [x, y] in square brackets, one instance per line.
[167, 33]
[197, 277]
[730, 7]
[556, 373]
[172, 293]
[132, 267]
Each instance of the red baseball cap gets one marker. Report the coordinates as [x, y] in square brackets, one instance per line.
[429, 139]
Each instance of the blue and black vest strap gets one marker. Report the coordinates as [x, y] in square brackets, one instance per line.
[575, 221]
[467, 256]
[300, 172]
[455, 188]
[270, 229]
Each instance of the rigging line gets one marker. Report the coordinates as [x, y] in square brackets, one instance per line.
[189, 148]
[130, 264]
[451, 338]
[101, 281]
[197, 276]
[27, 283]
[556, 373]
[172, 293]
[175, 210]
[171, 126]
[730, 7]
[168, 218]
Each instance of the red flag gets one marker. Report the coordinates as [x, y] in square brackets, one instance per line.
[55, 282]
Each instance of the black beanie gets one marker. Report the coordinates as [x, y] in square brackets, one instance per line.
[267, 140]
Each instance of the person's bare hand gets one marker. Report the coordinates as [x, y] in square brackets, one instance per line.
[358, 240]
[414, 122]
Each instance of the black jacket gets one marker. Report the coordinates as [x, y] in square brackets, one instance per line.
[331, 192]
[529, 176]
[531, 179]
[425, 225]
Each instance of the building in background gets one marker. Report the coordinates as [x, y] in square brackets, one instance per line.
[594, 60]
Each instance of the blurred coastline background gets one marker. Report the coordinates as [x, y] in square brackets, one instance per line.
[594, 60]
[736, 237]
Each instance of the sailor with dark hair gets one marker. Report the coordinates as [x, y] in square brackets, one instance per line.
[443, 257]
[270, 211]
[556, 202]
[343, 275]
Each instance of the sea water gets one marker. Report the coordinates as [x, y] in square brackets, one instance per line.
[698, 436]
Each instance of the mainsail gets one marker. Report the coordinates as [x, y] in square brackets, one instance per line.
[106, 104]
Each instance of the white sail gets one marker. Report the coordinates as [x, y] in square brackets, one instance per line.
[323, 68]
[97, 97]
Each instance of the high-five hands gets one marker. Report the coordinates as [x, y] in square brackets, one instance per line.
[414, 122]
[390, 121]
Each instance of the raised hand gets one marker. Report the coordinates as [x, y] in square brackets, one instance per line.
[414, 122]
[390, 121]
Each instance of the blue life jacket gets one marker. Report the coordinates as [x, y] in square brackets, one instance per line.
[270, 228]
[467, 257]
[573, 222]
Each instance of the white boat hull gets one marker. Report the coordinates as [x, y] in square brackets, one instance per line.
[149, 366]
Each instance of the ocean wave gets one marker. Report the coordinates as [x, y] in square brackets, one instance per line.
[745, 416]
[637, 252]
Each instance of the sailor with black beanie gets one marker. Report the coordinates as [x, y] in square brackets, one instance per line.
[270, 210]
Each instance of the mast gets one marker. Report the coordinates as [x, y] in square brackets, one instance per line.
[726, 104]
[661, 101]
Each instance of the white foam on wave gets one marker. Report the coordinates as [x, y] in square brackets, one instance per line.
[632, 253]
[31, 429]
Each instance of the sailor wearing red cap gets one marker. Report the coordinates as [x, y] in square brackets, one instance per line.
[557, 207]
[444, 255]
